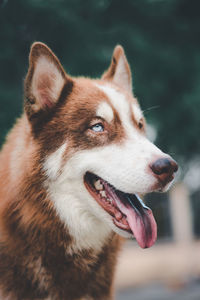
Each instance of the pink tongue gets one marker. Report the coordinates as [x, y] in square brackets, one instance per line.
[144, 228]
[143, 225]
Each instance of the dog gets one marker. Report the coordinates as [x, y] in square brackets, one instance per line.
[71, 172]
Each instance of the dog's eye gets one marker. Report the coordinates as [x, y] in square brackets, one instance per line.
[97, 127]
[140, 124]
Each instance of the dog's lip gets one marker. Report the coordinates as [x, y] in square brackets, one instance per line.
[160, 185]
[118, 218]
[128, 211]
[164, 182]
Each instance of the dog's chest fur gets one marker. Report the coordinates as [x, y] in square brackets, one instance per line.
[48, 272]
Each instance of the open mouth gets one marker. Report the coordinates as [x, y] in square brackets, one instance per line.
[128, 211]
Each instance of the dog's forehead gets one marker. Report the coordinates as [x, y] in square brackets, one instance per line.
[126, 106]
[96, 98]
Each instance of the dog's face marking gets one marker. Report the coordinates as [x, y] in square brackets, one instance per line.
[53, 165]
[105, 111]
[100, 153]
[137, 112]
[122, 106]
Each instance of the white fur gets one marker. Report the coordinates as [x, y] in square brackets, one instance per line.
[70, 199]
[123, 107]
[53, 164]
[125, 165]
[137, 112]
[105, 111]
[119, 102]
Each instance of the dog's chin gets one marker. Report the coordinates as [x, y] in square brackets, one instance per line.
[126, 213]
[121, 232]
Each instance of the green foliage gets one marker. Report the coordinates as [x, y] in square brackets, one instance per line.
[161, 40]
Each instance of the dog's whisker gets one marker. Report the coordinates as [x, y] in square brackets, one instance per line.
[145, 111]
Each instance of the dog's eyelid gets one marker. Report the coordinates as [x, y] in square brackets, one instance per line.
[97, 127]
[98, 124]
[97, 120]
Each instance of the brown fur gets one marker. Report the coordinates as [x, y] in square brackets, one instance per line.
[36, 257]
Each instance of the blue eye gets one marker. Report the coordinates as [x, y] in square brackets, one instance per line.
[98, 127]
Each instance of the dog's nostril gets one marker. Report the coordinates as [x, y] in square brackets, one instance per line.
[164, 166]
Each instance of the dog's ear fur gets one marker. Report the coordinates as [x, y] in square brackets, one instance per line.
[45, 79]
[119, 71]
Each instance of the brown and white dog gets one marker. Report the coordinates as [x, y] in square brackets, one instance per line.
[70, 174]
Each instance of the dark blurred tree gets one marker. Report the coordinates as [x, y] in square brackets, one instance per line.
[161, 39]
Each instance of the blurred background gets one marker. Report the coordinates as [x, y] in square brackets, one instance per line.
[162, 43]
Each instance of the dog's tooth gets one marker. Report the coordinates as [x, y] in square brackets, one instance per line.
[118, 215]
[103, 194]
[98, 185]
[108, 200]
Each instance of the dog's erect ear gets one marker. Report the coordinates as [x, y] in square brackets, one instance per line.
[45, 79]
[119, 71]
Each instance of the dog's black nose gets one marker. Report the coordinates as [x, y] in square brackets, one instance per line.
[164, 166]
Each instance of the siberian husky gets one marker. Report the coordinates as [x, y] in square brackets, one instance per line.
[71, 172]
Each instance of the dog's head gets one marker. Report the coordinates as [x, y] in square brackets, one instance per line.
[96, 157]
